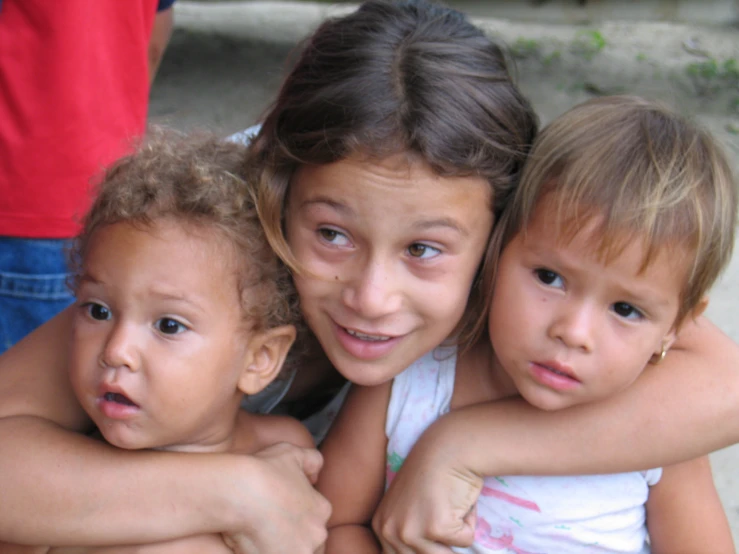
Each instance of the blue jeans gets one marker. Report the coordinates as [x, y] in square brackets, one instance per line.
[33, 285]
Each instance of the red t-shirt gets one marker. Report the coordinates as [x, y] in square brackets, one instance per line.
[74, 86]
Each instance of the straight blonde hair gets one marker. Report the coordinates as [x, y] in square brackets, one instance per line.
[647, 172]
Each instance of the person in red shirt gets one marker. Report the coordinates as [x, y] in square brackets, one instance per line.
[74, 87]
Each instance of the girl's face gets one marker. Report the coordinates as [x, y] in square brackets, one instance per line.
[389, 251]
[569, 327]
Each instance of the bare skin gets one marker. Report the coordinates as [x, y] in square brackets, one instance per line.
[267, 497]
[679, 416]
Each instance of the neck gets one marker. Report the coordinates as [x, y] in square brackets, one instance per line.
[480, 377]
[222, 442]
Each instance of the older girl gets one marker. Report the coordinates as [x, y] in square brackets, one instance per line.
[391, 118]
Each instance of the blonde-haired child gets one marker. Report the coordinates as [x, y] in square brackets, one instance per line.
[623, 220]
[182, 308]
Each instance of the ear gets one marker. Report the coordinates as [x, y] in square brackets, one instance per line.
[671, 337]
[268, 351]
[699, 308]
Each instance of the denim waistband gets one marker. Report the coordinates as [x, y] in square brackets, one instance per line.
[34, 268]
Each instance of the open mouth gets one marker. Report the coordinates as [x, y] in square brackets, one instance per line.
[364, 336]
[118, 399]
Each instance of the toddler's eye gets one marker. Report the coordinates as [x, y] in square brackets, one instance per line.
[169, 326]
[98, 311]
[548, 277]
[332, 236]
[422, 251]
[627, 311]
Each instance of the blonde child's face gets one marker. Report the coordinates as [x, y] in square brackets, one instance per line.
[389, 251]
[569, 328]
[158, 340]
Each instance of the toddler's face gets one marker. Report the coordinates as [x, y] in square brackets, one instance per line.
[158, 342]
[389, 251]
[569, 327]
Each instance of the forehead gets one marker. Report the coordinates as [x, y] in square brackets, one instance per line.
[399, 179]
[585, 234]
[191, 257]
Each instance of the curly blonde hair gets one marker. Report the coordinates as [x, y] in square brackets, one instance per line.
[196, 179]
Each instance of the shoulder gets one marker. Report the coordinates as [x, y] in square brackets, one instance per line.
[272, 429]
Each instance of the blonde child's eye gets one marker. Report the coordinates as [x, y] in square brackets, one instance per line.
[627, 311]
[422, 251]
[548, 277]
[169, 326]
[98, 311]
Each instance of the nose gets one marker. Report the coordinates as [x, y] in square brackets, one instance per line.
[120, 349]
[374, 289]
[575, 325]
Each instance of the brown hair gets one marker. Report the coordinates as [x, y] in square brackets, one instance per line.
[651, 174]
[196, 179]
[394, 77]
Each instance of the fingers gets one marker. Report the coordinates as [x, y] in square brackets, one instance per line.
[312, 462]
[416, 536]
[422, 547]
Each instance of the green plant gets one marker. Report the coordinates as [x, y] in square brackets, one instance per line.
[709, 76]
[525, 48]
[588, 43]
[551, 58]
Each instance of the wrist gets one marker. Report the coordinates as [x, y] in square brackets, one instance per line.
[458, 441]
[224, 509]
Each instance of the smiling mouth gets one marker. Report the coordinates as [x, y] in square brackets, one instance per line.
[368, 338]
[118, 399]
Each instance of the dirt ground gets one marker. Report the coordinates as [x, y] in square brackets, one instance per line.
[225, 63]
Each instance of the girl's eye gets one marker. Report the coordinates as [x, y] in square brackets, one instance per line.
[169, 326]
[627, 311]
[98, 311]
[332, 236]
[422, 251]
[548, 277]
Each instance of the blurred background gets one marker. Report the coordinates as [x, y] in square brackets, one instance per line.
[227, 57]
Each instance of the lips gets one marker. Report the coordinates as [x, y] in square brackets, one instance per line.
[363, 345]
[114, 403]
[558, 369]
[555, 376]
[119, 398]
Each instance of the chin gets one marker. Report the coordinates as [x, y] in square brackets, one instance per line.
[547, 403]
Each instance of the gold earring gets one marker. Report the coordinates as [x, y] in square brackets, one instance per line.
[657, 358]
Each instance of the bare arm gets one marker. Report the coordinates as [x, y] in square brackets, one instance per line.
[684, 512]
[160, 35]
[60, 487]
[353, 476]
[678, 410]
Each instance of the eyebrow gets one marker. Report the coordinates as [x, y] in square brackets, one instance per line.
[422, 225]
[639, 295]
[173, 297]
[447, 222]
[338, 206]
[87, 278]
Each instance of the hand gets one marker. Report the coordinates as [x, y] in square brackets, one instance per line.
[291, 515]
[430, 505]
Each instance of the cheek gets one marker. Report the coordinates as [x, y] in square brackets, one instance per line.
[310, 289]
